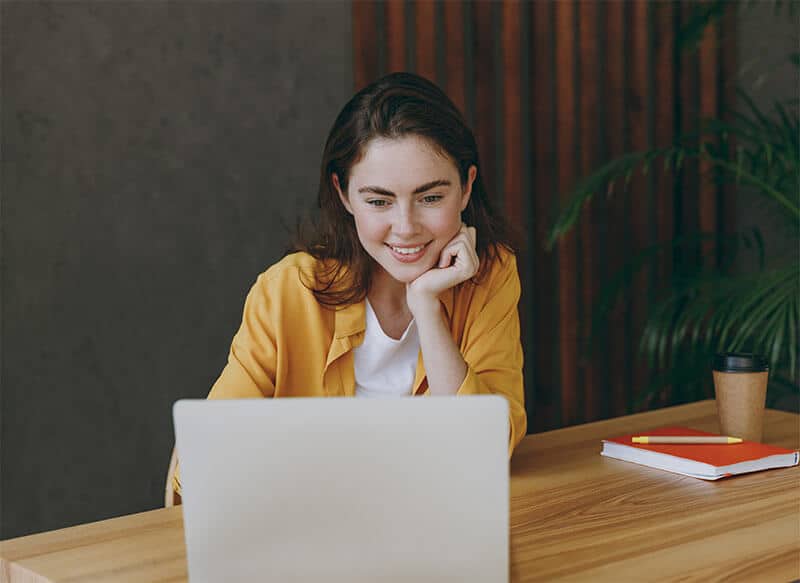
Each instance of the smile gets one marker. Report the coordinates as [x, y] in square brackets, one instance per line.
[408, 250]
[408, 254]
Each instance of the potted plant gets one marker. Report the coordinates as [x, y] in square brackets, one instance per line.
[715, 306]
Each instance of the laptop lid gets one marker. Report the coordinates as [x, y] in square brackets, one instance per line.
[344, 489]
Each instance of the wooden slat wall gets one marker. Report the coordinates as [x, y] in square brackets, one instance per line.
[546, 380]
[590, 81]
[589, 84]
[639, 193]
[618, 353]
[664, 130]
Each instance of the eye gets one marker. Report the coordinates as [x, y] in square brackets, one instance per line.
[432, 198]
[377, 202]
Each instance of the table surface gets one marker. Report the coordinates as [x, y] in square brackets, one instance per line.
[575, 515]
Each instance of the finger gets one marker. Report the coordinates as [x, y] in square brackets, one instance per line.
[447, 255]
[465, 257]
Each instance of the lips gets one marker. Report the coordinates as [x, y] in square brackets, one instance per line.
[408, 253]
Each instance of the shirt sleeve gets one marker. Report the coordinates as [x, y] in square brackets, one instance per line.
[491, 346]
[252, 360]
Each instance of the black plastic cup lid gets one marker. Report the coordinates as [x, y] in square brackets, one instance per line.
[740, 362]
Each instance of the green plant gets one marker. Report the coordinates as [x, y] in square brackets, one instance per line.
[710, 306]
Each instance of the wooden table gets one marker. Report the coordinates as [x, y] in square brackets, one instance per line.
[574, 516]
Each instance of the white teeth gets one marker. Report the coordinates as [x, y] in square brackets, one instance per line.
[408, 250]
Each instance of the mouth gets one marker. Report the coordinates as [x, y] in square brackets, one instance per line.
[407, 254]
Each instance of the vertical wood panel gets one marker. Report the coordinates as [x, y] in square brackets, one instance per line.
[425, 29]
[687, 198]
[454, 53]
[591, 99]
[619, 356]
[589, 113]
[728, 105]
[639, 192]
[567, 172]
[365, 43]
[512, 118]
[395, 35]
[707, 201]
[483, 59]
[546, 386]
[664, 129]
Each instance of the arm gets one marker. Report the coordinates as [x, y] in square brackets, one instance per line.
[489, 359]
[422, 297]
[492, 348]
[250, 371]
[438, 346]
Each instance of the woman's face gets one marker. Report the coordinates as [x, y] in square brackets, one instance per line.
[406, 200]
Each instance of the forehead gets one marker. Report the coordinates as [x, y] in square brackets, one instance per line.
[402, 163]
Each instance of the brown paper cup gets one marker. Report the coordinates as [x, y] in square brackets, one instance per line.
[740, 403]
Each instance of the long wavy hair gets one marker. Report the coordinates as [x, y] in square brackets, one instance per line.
[396, 106]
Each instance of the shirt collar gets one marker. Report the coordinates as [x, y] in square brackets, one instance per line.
[352, 319]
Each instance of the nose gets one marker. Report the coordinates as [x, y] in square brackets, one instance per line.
[405, 223]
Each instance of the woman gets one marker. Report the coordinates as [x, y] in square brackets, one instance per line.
[406, 285]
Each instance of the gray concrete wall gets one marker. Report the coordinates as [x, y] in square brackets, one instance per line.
[766, 38]
[152, 152]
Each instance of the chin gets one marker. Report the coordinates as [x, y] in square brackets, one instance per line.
[404, 273]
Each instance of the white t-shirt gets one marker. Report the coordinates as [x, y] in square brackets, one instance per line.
[385, 367]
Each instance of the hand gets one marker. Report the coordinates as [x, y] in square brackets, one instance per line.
[422, 292]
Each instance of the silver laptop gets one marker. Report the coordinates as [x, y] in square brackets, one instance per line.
[344, 489]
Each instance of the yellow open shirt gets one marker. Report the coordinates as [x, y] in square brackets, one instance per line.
[289, 345]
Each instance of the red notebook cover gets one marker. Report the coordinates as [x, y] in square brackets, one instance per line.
[715, 454]
[706, 461]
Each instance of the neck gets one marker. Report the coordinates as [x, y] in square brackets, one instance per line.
[387, 292]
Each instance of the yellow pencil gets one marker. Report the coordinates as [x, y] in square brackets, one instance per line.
[686, 439]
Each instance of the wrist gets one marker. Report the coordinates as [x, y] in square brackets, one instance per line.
[425, 307]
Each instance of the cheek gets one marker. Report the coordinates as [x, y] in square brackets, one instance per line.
[370, 227]
[446, 224]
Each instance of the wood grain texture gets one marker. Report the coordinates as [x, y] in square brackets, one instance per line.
[569, 337]
[574, 515]
[484, 75]
[425, 38]
[709, 107]
[603, 79]
[395, 35]
[589, 76]
[543, 159]
[728, 64]
[365, 43]
[512, 115]
[619, 344]
[664, 126]
[578, 516]
[454, 53]
[639, 194]
[141, 547]
[688, 100]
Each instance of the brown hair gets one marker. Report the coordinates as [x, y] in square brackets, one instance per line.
[395, 106]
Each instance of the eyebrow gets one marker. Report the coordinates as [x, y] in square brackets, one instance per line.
[417, 190]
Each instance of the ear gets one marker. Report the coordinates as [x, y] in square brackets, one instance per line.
[342, 196]
[472, 173]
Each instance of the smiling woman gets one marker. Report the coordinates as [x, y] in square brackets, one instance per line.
[405, 285]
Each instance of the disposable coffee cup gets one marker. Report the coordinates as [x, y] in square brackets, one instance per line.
[740, 386]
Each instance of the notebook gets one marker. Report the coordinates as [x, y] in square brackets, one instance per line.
[345, 490]
[707, 462]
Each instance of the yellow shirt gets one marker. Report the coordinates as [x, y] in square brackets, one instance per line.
[289, 345]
